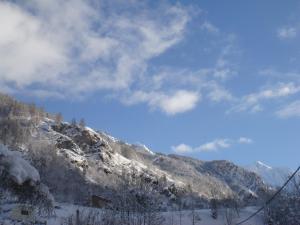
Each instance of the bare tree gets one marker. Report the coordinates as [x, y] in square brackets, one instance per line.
[89, 217]
[214, 202]
[180, 207]
[58, 118]
[82, 123]
[136, 201]
[229, 215]
[73, 122]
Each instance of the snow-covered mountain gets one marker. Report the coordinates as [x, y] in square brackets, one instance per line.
[88, 160]
[76, 162]
[102, 160]
[273, 176]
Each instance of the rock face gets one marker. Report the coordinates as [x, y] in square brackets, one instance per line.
[104, 161]
[88, 140]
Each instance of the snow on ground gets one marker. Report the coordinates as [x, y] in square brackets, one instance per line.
[202, 217]
[111, 138]
[65, 211]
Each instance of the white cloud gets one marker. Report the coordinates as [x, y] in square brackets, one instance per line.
[163, 91]
[177, 102]
[272, 73]
[224, 67]
[245, 140]
[181, 101]
[290, 110]
[89, 46]
[49, 49]
[218, 93]
[287, 32]
[28, 55]
[210, 27]
[212, 146]
[182, 149]
[252, 102]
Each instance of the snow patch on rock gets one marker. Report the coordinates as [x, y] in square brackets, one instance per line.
[142, 147]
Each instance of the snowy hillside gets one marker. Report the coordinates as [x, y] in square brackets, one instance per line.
[100, 161]
[94, 163]
[89, 151]
[274, 176]
[45, 158]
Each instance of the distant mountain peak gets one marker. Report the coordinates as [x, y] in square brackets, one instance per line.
[261, 164]
[274, 176]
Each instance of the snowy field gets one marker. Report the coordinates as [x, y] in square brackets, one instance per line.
[202, 217]
[206, 219]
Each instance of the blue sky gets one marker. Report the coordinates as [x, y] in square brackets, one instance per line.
[208, 79]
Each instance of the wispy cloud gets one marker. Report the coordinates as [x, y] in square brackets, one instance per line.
[218, 93]
[84, 47]
[290, 110]
[245, 140]
[287, 32]
[212, 146]
[185, 90]
[279, 75]
[49, 49]
[208, 26]
[253, 102]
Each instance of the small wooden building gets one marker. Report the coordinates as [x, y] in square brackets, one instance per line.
[99, 202]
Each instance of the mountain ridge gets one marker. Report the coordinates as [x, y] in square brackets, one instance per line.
[95, 163]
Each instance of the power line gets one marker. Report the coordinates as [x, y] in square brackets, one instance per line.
[272, 198]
